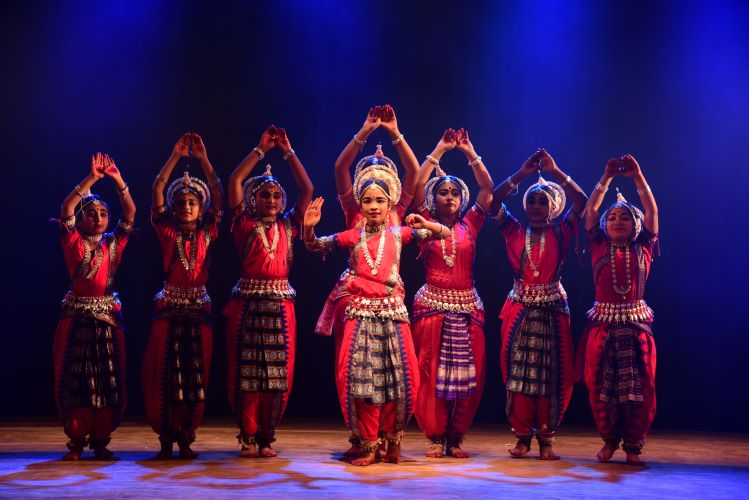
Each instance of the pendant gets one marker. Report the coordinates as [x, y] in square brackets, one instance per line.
[374, 272]
[536, 274]
[272, 255]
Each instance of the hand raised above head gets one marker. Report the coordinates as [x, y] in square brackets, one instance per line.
[268, 138]
[282, 141]
[182, 147]
[97, 166]
[531, 165]
[388, 119]
[109, 167]
[629, 166]
[197, 147]
[463, 141]
[373, 120]
[546, 162]
[447, 141]
[613, 167]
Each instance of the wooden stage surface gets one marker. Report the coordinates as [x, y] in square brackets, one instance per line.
[680, 465]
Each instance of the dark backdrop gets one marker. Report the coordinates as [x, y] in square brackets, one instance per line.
[587, 80]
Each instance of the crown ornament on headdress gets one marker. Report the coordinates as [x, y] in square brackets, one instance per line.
[431, 186]
[253, 185]
[634, 212]
[190, 185]
[553, 191]
[377, 167]
[89, 198]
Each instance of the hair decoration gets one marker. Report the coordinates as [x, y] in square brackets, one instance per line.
[553, 191]
[432, 186]
[253, 185]
[191, 185]
[379, 167]
[634, 212]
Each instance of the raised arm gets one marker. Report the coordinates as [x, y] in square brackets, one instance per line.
[508, 185]
[243, 170]
[484, 180]
[632, 169]
[96, 172]
[123, 191]
[596, 196]
[348, 155]
[303, 183]
[445, 144]
[198, 151]
[312, 216]
[181, 150]
[411, 166]
[571, 189]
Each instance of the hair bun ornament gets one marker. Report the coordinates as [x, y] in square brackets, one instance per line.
[634, 212]
[431, 186]
[253, 185]
[379, 167]
[555, 193]
[191, 185]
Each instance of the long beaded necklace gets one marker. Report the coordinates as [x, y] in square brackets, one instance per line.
[621, 291]
[271, 249]
[188, 265]
[449, 260]
[373, 264]
[95, 262]
[528, 249]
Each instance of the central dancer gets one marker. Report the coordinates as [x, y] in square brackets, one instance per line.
[448, 315]
[376, 368]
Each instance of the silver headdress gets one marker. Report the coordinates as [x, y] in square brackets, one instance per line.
[553, 191]
[191, 185]
[253, 185]
[634, 212]
[433, 184]
[378, 168]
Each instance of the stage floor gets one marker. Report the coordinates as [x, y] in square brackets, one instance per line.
[679, 465]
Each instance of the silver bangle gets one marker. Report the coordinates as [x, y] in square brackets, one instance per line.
[260, 153]
[77, 189]
[433, 161]
[566, 181]
[289, 154]
[397, 140]
[644, 190]
[358, 141]
[124, 191]
[510, 183]
[215, 182]
[475, 161]
[600, 187]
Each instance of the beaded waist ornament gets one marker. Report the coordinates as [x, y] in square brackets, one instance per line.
[384, 307]
[102, 304]
[628, 312]
[192, 297]
[537, 295]
[449, 299]
[272, 289]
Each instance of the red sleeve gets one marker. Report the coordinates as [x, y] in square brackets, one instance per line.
[508, 224]
[569, 227]
[475, 219]
[402, 207]
[72, 248]
[295, 218]
[349, 207]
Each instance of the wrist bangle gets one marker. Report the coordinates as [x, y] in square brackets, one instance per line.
[510, 183]
[644, 190]
[289, 154]
[397, 140]
[600, 187]
[475, 161]
[260, 153]
[159, 179]
[77, 189]
[566, 181]
[215, 182]
[358, 141]
[124, 191]
[432, 160]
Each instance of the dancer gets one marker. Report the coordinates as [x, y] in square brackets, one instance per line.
[376, 367]
[331, 318]
[178, 354]
[261, 320]
[448, 315]
[537, 354]
[617, 348]
[89, 343]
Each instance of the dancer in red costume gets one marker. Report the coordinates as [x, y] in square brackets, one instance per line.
[448, 315]
[537, 353]
[617, 349]
[176, 364]
[261, 320]
[376, 366]
[89, 343]
[332, 317]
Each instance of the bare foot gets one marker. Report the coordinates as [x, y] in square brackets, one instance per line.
[187, 453]
[103, 453]
[268, 452]
[165, 453]
[381, 450]
[634, 459]
[547, 453]
[352, 452]
[393, 455]
[435, 450]
[606, 452]
[73, 455]
[248, 451]
[365, 459]
[457, 452]
[520, 450]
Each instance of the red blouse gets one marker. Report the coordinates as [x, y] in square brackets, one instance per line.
[640, 258]
[176, 272]
[256, 262]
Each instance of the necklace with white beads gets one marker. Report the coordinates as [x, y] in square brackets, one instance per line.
[271, 249]
[373, 264]
[528, 248]
[449, 259]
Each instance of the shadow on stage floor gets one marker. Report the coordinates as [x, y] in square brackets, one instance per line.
[309, 463]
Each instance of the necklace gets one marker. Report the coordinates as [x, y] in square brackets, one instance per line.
[373, 264]
[621, 291]
[93, 243]
[189, 266]
[271, 249]
[528, 248]
[449, 260]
